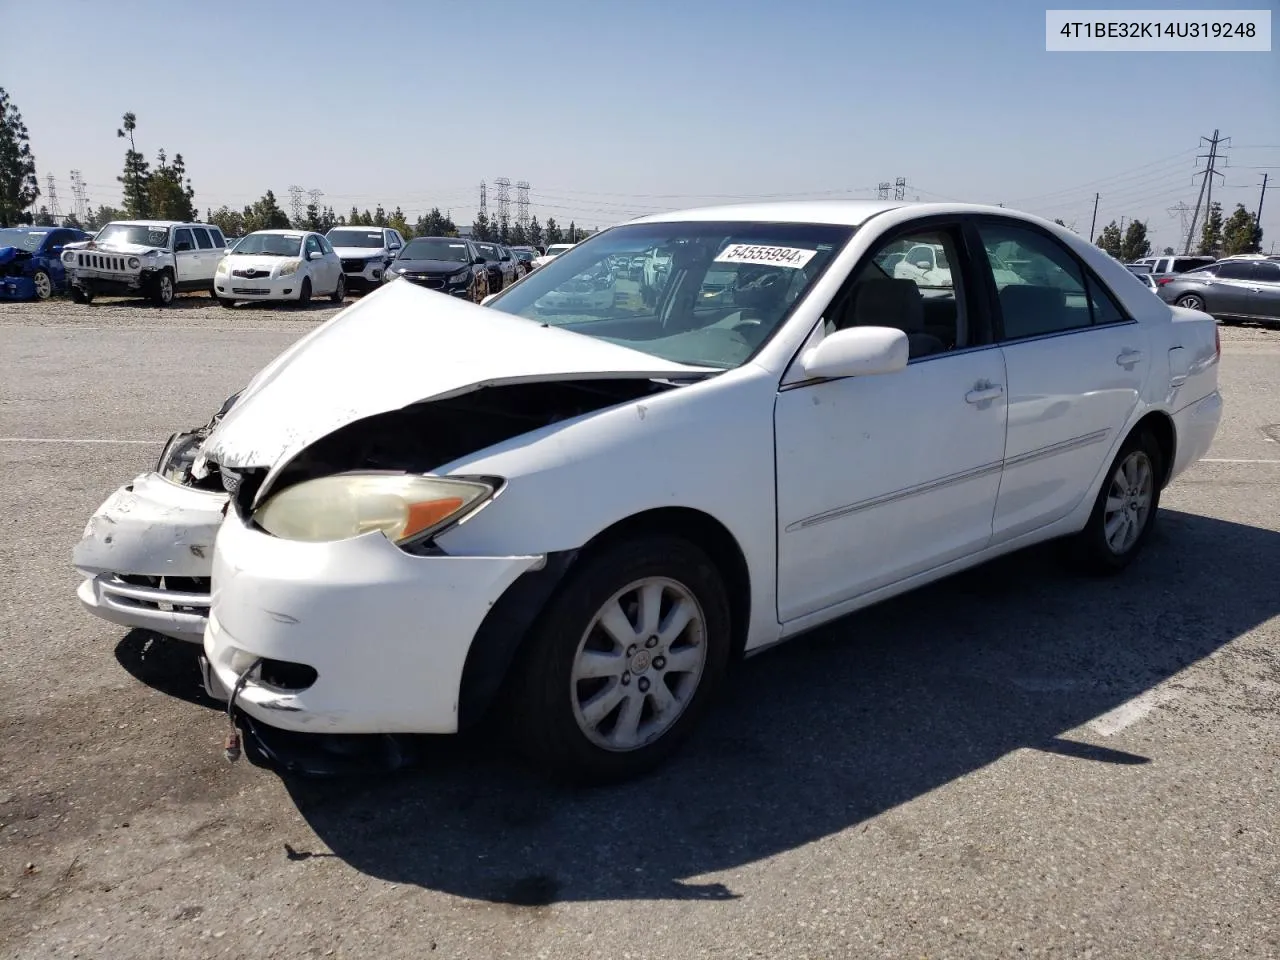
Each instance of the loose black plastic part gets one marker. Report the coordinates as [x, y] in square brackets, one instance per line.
[495, 644]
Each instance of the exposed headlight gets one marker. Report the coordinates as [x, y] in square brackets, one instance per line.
[134, 263]
[178, 455]
[222, 266]
[69, 257]
[462, 276]
[403, 506]
[289, 268]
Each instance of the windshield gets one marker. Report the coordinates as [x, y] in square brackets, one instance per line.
[525, 255]
[270, 245]
[22, 239]
[355, 238]
[558, 248]
[487, 250]
[709, 294]
[431, 248]
[134, 233]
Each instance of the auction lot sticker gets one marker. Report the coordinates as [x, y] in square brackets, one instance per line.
[772, 256]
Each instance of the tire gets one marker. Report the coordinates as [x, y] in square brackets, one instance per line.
[225, 302]
[43, 284]
[555, 723]
[80, 295]
[304, 293]
[1191, 301]
[162, 289]
[340, 291]
[1093, 550]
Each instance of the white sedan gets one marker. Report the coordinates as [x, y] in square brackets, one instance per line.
[280, 265]
[580, 519]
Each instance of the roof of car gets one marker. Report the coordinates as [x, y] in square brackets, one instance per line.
[284, 233]
[851, 213]
[162, 223]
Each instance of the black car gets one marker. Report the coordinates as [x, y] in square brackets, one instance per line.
[502, 268]
[448, 264]
[1244, 289]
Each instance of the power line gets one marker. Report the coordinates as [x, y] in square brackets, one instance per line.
[1207, 182]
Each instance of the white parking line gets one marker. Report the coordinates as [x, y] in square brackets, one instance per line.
[1209, 460]
[63, 440]
[1131, 711]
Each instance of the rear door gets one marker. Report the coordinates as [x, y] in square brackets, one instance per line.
[1232, 293]
[208, 255]
[1076, 364]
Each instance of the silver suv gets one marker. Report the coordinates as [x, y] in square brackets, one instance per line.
[366, 252]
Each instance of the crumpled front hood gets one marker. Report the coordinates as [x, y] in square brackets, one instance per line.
[398, 346]
[133, 249]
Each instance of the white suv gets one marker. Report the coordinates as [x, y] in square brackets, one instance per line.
[366, 252]
[152, 258]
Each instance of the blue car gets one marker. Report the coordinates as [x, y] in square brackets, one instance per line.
[31, 261]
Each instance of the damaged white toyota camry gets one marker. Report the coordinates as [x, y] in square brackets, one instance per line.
[578, 509]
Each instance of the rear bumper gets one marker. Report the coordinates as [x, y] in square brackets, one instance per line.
[1196, 425]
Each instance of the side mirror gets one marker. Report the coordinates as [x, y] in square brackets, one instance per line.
[480, 260]
[314, 255]
[857, 352]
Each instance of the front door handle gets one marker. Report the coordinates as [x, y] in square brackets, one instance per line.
[1128, 358]
[984, 392]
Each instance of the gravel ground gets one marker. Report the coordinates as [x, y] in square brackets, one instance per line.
[1014, 763]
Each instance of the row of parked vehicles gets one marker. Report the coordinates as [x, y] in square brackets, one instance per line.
[160, 259]
[1245, 287]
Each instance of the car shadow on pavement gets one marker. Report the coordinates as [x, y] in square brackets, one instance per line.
[821, 734]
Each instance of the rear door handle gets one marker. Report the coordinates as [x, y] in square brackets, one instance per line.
[1128, 358]
[984, 392]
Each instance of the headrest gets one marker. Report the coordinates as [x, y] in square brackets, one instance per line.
[884, 302]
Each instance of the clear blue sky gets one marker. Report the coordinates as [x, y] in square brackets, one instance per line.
[612, 109]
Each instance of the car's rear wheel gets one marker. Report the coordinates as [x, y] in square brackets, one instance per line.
[304, 293]
[622, 663]
[43, 285]
[340, 291]
[1190, 301]
[1126, 507]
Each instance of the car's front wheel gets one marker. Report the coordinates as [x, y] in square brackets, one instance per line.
[340, 291]
[1126, 507]
[304, 293]
[81, 295]
[43, 284]
[624, 660]
[162, 289]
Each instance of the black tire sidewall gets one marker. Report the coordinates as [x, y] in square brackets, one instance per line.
[547, 727]
[304, 293]
[1098, 555]
[157, 296]
[340, 291]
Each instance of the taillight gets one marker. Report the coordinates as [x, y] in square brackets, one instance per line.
[1163, 280]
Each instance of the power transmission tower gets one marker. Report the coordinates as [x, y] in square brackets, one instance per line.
[1180, 210]
[484, 201]
[504, 200]
[882, 191]
[53, 198]
[1257, 219]
[522, 204]
[78, 192]
[1206, 184]
[315, 196]
[900, 188]
[295, 202]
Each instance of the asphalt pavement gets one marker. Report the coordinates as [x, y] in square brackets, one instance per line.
[1016, 762]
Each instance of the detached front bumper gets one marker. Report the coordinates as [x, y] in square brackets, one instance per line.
[356, 636]
[147, 557]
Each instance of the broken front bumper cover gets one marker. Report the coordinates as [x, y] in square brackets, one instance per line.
[147, 557]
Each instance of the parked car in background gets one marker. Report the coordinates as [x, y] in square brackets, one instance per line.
[501, 273]
[152, 258]
[365, 253]
[448, 264]
[1138, 269]
[280, 265]
[1174, 264]
[519, 266]
[526, 256]
[828, 437]
[31, 266]
[553, 250]
[1149, 281]
[1233, 289]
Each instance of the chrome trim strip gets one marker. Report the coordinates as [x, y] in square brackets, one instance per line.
[983, 471]
[1063, 446]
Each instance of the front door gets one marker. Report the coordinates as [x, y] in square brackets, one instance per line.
[186, 259]
[880, 478]
[1076, 367]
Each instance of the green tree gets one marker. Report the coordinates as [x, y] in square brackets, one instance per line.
[1167, 252]
[229, 221]
[328, 220]
[266, 215]
[1135, 244]
[572, 236]
[137, 172]
[553, 234]
[1211, 234]
[519, 237]
[44, 218]
[397, 222]
[102, 216]
[447, 225]
[480, 227]
[379, 217]
[311, 218]
[535, 232]
[431, 224]
[18, 185]
[353, 218]
[1110, 240]
[1240, 234]
[72, 221]
[169, 197]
